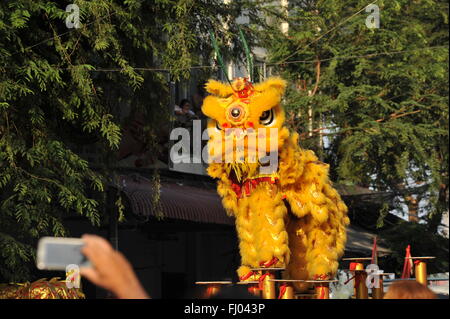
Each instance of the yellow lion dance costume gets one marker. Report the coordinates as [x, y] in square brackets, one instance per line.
[291, 217]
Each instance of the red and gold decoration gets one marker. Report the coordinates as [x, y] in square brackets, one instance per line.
[286, 291]
[286, 288]
[264, 277]
[322, 290]
[252, 287]
[407, 265]
[359, 276]
[322, 286]
[266, 286]
[420, 267]
[212, 287]
[40, 289]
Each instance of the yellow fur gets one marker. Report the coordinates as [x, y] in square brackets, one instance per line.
[307, 230]
[218, 88]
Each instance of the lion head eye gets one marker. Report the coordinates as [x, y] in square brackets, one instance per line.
[267, 117]
[235, 112]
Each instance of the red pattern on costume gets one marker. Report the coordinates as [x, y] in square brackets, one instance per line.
[246, 276]
[320, 277]
[250, 184]
[247, 91]
[267, 264]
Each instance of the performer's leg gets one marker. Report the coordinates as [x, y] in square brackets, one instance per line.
[246, 238]
[298, 247]
[269, 226]
[325, 232]
[324, 246]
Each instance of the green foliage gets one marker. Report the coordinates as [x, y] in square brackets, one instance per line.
[383, 213]
[382, 95]
[378, 97]
[378, 100]
[60, 87]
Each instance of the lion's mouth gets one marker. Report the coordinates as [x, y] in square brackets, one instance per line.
[240, 171]
[232, 176]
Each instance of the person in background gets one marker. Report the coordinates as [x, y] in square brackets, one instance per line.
[409, 289]
[184, 115]
[184, 108]
[110, 269]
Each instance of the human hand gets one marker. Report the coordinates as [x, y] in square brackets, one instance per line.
[110, 269]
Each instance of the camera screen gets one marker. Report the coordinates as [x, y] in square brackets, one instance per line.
[59, 255]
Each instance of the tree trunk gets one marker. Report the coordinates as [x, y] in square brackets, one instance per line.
[412, 208]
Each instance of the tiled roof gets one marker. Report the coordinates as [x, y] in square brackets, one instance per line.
[203, 205]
